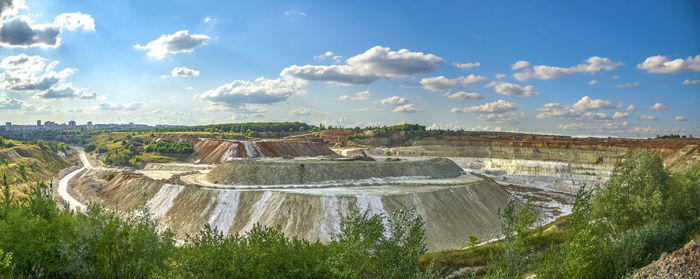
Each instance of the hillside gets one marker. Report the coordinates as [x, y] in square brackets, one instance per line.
[27, 163]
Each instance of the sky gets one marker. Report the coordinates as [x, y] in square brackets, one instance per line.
[591, 68]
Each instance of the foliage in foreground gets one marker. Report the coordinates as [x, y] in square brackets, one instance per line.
[40, 240]
[614, 229]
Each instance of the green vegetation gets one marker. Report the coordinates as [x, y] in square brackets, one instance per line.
[614, 229]
[168, 146]
[32, 161]
[47, 242]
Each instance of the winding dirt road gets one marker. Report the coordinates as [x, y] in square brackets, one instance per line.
[63, 183]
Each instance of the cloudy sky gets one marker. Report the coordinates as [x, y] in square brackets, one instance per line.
[593, 68]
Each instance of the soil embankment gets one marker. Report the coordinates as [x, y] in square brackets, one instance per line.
[263, 172]
[213, 151]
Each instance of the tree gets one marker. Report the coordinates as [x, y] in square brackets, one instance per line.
[634, 194]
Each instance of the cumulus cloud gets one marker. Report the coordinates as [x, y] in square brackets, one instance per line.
[259, 91]
[325, 55]
[25, 73]
[658, 107]
[178, 42]
[500, 76]
[375, 63]
[499, 106]
[358, 96]
[304, 112]
[463, 66]
[512, 89]
[592, 65]
[75, 21]
[582, 109]
[394, 101]
[593, 82]
[183, 72]
[67, 91]
[660, 64]
[122, 107]
[648, 117]
[441, 83]
[407, 108]
[519, 65]
[7, 103]
[691, 82]
[627, 85]
[630, 108]
[620, 115]
[21, 31]
[643, 130]
[680, 118]
[463, 95]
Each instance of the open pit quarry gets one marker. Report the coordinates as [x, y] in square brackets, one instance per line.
[307, 197]
[308, 190]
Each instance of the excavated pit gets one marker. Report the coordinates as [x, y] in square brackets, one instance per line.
[213, 151]
[312, 204]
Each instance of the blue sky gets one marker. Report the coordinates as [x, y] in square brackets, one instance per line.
[619, 68]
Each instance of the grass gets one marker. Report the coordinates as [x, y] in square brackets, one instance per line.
[448, 261]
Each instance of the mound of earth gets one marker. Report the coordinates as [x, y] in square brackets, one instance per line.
[212, 151]
[682, 263]
[269, 172]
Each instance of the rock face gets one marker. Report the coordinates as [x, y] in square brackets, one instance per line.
[262, 172]
[212, 151]
[682, 263]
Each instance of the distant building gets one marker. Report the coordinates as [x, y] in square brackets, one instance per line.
[38, 123]
[89, 124]
[8, 126]
[71, 124]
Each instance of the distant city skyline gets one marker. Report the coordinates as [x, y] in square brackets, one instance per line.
[591, 68]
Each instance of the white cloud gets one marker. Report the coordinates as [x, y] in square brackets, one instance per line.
[121, 107]
[358, 96]
[261, 91]
[615, 77]
[441, 83]
[67, 91]
[691, 82]
[25, 73]
[627, 85]
[512, 89]
[592, 65]
[75, 21]
[501, 118]
[11, 7]
[178, 42]
[658, 107]
[325, 55]
[294, 13]
[630, 108]
[407, 108]
[463, 66]
[620, 115]
[593, 82]
[663, 65]
[21, 31]
[183, 72]
[643, 130]
[499, 106]
[375, 63]
[582, 109]
[519, 65]
[680, 118]
[304, 112]
[648, 117]
[500, 76]
[462, 95]
[7, 103]
[394, 101]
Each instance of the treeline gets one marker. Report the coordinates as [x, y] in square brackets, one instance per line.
[168, 146]
[47, 242]
[243, 128]
[131, 151]
[614, 229]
